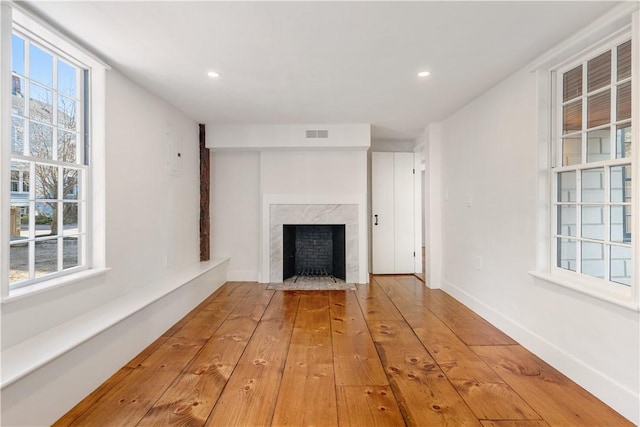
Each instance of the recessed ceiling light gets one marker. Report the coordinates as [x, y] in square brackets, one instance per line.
[213, 74]
[423, 73]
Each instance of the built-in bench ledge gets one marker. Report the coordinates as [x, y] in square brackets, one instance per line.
[27, 356]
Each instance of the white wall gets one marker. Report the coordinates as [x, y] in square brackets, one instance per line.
[314, 172]
[152, 224]
[386, 145]
[489, 152]
[235, 209]
[435, 194]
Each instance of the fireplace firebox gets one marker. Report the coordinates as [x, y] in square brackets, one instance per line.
[313, 250]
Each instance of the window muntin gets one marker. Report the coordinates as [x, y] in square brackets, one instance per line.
[48, 230]
[592, 167]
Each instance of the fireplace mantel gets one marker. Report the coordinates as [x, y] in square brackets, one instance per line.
[280, 209]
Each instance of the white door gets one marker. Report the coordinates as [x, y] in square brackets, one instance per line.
[403, 213]
[392, 202]
[382, 223]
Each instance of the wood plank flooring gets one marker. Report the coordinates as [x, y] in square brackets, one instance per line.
[391, 353]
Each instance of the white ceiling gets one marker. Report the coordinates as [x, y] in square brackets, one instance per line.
[320, 62]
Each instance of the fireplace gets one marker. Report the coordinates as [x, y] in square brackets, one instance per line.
[281, 210]
[312, 250]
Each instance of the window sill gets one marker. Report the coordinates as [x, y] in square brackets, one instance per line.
[621, 298]
[48, 285]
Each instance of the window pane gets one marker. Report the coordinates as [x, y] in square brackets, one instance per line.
[621, 224]
[617, 224]
[46, 219]
[20, 182]
[623, 142]
[628, 228]
[624, 60]
[593, 185]
[599, 109]
[71, 251]
[17, 54]
[593, 222]
[567, 220]
[567, 254]
[67, 146]
[18, 262]
[593, 259]
[599, 145]
[599, 71]
[572, 150]
[621, 184]
[67, 113]
[24, 221]
[46, 182]
[66, 79]
[621, 265]
[15, 180]
[572, 84]
[41, 140]
[18, 221]
[70, 218]
[627, 184]
[572, 117]
[46, 257]
[40, 103]
[41, 66]
[567, 186]
[17, 135]
[70, 184]
[17, 95]
[623, 110]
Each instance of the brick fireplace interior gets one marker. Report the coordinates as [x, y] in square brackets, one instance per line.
[314, 250]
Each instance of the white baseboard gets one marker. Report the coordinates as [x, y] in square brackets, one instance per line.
[96, 347]
[615, 395]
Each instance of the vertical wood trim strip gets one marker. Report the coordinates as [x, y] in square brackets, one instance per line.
[205, 173]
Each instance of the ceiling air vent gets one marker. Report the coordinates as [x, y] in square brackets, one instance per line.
[317, 134]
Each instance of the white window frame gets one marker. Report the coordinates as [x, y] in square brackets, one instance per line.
[13, 16]
[620, 23]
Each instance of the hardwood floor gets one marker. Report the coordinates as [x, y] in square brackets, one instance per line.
[391, 353]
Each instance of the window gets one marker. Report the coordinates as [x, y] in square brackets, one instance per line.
[592, 166]
[47, 120]
[56, 121]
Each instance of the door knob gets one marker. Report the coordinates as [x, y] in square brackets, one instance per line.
[376, 223]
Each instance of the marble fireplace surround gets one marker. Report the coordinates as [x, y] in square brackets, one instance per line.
[304, 209]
